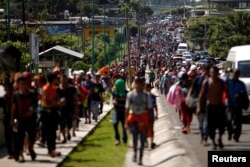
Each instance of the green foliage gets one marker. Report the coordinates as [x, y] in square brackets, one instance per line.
[86, 8]
[133, 28]
[220, 33]
[221, 7]
[80, 65]
[148, 10]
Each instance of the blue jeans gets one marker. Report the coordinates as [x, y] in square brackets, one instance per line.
[135, 134]
[202, 119]
[119, 116]
[95, 108]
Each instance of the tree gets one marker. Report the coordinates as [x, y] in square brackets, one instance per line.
[80, 65]
[230, 31]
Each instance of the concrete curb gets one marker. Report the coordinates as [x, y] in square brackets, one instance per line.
[43, 160]
[87, 134]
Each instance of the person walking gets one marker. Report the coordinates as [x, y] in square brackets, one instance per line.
[51, 104]
[194, 92]
[237, 92]
[68, 92]
[5, 104]
[213, 89]
[119, 100]
[151, 77]
[153, 115]
[138, 105]
[96, 96]
[23, 118]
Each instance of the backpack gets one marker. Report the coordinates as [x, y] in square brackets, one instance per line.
[242, 99]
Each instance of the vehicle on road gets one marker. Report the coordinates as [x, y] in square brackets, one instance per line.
[203, 54]
[238, 58]
[181, 30]
[182, 47]
[202, 62]
[177, 40]
[186, 58]
[212, 60]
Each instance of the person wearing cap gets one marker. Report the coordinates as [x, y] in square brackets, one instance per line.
[119, 99]
[194, 92]
[192, 72]
[138, 105]
[96, 96]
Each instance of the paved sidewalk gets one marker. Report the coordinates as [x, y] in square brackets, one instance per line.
[172, 149]
[43, 160]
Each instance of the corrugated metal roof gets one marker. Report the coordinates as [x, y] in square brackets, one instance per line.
[64, 50]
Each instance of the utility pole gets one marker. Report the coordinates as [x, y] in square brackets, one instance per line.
[8, 18]
[128, 47]
[24, 20]
[93, 37]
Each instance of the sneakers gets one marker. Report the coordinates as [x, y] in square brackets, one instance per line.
[21, 159]
[117, 142]
[54, 154]
[153, 145]
[69, 137]
[33, 155]
[134, 159]
[140, 162]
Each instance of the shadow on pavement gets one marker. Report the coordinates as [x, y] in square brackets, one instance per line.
[165, 160]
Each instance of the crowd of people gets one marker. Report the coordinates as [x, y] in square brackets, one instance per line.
[37, 107]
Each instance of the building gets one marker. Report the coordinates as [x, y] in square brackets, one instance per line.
[231, 3]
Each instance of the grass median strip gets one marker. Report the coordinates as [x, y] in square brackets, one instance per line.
[98, 149]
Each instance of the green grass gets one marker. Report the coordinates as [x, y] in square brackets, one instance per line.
[98, 149]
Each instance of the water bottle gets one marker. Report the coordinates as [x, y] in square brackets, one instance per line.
[15, 125]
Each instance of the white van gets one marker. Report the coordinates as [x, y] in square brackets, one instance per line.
[182, 47]
[239, 57]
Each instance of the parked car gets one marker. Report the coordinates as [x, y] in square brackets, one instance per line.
[181, 30]
[194, 57]
[212, 60]
[203, 54]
